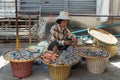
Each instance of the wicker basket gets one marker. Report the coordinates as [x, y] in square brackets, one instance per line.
[20, 68]
[111, 49]
[105, 40]
[102, 35]
[97, 64]
[58, 72]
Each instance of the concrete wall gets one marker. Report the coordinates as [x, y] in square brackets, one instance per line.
[93, 22]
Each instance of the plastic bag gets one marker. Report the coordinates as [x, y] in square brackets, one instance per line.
[41, 29]
[44, 44]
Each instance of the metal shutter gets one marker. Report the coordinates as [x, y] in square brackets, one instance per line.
[7, 8]
[75, 7]
[82, 6]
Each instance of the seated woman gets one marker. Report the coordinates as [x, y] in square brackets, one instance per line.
[60, 35]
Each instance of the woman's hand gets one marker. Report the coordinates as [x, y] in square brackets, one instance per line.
[68, 42]
[74, 40]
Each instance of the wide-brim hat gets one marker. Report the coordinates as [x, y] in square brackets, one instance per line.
[63, 15]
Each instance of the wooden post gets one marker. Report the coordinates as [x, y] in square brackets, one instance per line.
[30, 41]
[17, 34]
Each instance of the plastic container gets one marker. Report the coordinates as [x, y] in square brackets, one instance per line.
[21, 69]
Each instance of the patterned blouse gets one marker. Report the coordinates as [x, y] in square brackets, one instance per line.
[60, 35]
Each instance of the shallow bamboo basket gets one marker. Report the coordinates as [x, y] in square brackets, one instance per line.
[105, 40]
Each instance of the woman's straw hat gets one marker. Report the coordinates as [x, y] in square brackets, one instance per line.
[63, 15]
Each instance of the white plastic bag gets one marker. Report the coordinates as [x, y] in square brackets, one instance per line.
[41, 29]
[43, 44]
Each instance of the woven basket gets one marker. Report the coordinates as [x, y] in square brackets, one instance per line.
[21, 69]
[111, 49]
[15, 60]
[97, 64]
[105, 40]
[102, 35]
[58, 72]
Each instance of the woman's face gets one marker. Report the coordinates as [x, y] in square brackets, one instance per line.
[64, 23]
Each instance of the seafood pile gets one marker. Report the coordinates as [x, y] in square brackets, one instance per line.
[68, 58]
[91, 51]
[49, 57]
[65, 57]
[21, 54]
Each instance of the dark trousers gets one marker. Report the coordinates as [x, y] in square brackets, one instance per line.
[60, 47]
